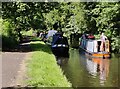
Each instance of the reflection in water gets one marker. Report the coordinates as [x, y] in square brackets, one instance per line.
[91, 67]
[84, 71]
[62, 60]
[104, 70]
[98, 66]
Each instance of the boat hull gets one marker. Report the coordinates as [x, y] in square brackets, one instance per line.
[106, 55]
[60, 51]
[60, 46]
[96, 54]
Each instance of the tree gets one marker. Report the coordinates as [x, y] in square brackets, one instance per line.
[26, 15]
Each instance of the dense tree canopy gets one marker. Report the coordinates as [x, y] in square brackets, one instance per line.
[71, 17]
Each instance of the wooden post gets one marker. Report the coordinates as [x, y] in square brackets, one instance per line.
[107, 46]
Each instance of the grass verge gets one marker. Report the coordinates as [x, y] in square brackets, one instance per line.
[43, 70]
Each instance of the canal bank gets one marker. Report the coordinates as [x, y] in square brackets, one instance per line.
[82, 71]
[42, 69]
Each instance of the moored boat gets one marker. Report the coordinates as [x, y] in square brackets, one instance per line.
[92, 47]
[60, 47]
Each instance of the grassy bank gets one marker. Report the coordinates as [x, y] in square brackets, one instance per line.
[43, 70]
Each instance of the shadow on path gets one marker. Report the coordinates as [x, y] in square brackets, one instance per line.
[40, 47]
[26, 46]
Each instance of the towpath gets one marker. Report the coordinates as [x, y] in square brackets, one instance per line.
[12, 62]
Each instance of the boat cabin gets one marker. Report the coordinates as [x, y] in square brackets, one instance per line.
[93, 47]
[60, 46]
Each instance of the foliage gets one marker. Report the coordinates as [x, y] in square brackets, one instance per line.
[24, 16]
[9, 35]
[71, 17]
[108, 21]
[27, 33]
[42, 68]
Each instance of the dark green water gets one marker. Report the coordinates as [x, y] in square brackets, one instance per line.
[83, 71]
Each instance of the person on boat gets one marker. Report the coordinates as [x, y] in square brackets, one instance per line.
[91, 36]
[41, 33]
[83, 42]
[57, 36]
[51, 33]
[102, 38]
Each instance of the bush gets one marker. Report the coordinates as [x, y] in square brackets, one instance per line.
[116, 44]
[9, 35]
[28, 33]
[8, 42]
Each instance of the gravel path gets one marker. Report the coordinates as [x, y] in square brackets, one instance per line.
[12, 62]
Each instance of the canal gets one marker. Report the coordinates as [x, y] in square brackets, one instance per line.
[83, 71]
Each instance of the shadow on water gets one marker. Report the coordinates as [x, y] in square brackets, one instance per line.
[85, 71]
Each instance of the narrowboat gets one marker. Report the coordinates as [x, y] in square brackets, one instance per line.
[59, 46]
[92, 47]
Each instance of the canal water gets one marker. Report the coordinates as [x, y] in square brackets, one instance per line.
[83, 71]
